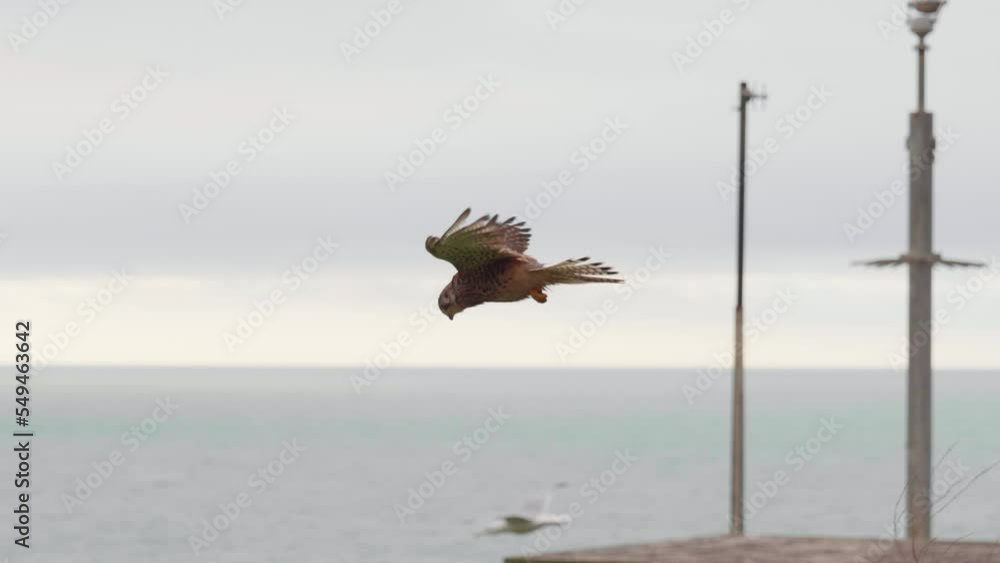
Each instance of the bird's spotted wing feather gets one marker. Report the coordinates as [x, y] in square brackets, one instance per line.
[483, 241]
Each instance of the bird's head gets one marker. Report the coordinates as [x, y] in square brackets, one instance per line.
[448, 302]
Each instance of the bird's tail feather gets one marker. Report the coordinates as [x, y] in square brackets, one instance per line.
[577, 270]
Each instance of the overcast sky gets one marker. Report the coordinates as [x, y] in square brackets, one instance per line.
[308, 117]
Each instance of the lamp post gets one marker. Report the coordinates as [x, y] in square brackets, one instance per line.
[919, 427]
[736, 514]
[922, 19]
[920, 258]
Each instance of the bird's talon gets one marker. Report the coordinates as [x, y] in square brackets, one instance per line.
[538, 295]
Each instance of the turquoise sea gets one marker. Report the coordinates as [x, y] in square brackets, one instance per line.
[137, 465]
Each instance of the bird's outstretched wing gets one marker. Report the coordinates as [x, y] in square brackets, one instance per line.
[517, 520]
[483, 241]
[538, 506]
[543, 505]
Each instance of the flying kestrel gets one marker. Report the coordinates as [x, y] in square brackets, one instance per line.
[492, 266]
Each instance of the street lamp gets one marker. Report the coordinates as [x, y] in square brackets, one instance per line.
[927, 6]
[920, 258]
[922, 19]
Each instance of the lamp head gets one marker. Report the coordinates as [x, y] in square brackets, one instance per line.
[924, 15]
[927, 6]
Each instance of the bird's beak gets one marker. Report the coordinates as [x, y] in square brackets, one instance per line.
[451, 317]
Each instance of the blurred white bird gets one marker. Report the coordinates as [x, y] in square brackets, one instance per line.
[540, 518]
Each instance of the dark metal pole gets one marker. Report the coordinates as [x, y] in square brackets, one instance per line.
[744, 99]
[736, 526]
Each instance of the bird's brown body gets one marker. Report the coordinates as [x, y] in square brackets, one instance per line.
[502, 281]
[492, 266]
